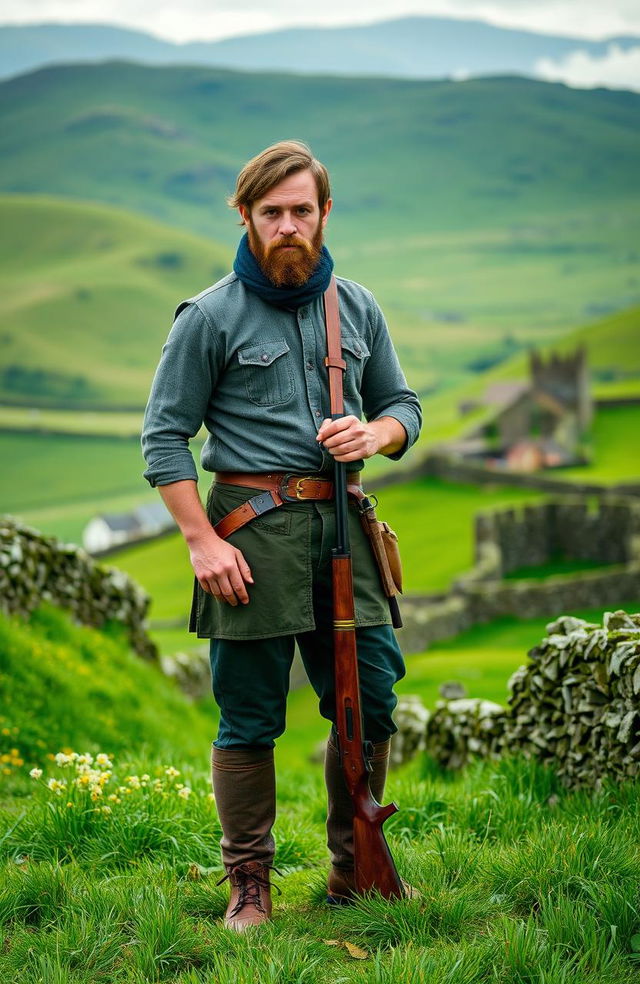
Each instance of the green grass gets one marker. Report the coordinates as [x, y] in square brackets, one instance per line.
[58, 482]
[67, 685]
[558, 566]
[88, 295]
[614, 447]
[87, 422]
[518, 881]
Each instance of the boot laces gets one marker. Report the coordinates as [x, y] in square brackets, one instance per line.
[249, 885]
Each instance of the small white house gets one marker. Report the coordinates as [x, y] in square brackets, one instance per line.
[114, 529]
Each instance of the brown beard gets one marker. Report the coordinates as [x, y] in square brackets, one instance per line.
[287, 267]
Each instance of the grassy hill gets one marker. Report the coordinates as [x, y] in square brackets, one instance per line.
[512, 871]
[88, 292]
[485, 214]
[87, 298]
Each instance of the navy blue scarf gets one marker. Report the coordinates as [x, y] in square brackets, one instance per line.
[249, 271]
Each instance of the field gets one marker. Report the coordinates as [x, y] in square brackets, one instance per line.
[88, 295]
[518, 880]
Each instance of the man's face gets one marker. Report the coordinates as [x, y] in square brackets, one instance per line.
[285, 229]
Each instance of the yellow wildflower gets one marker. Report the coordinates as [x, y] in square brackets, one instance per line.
[185, 792]
[171, 772]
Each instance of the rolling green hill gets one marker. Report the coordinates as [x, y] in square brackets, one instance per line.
[88, 292]
[485, 214]
[87, 298]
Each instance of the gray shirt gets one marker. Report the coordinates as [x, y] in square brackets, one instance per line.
[255, 375]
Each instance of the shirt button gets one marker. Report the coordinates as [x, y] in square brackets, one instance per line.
[318, 414]
[309, 365]
[265, 357]
[303, 312]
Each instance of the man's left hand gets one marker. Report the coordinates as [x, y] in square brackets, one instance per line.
[350, 439]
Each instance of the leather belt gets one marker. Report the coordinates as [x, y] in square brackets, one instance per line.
[276, 489]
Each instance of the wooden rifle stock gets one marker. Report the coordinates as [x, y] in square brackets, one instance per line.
[374, 866]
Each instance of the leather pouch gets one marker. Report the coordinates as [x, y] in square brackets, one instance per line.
[384, 545]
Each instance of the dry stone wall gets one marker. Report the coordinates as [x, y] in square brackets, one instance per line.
[36, 568]
[606, 530]
[575, 704]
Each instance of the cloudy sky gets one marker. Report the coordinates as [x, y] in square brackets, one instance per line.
[186, 20]
[208, 19]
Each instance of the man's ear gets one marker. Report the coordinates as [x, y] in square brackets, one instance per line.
[244, 214]
[325, 212]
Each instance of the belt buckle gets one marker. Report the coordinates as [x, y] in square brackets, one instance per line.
[298, 494]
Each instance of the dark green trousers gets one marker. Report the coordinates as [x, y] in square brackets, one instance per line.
[251, 682]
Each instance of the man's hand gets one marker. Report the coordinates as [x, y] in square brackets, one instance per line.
[220, 568]
[350, 439]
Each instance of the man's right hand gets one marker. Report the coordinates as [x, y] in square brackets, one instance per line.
[220, 568]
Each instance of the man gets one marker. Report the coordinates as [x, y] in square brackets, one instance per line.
[246, 357]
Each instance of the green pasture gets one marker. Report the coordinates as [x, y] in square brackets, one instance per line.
[614, 447]
[88, 295]
[58, 482]
[517, 879]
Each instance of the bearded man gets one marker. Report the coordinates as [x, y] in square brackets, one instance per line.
[246, 358]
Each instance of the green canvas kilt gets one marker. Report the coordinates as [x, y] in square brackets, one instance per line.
[289, 553]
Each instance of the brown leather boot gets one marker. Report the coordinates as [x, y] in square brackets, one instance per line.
[250, 902]
[341, 882]
[244, 787]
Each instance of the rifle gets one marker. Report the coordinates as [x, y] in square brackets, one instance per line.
[374, 865]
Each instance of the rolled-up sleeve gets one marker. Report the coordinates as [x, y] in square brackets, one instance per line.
[385, 392]
[180, 393]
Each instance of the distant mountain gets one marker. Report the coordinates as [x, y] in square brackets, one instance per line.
[418, 47]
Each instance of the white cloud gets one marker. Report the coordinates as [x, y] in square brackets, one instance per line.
[617, 69]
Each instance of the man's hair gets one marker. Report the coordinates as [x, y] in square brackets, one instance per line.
[272, 166]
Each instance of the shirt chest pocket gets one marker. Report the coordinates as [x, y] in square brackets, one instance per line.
[268, 373]
[355, 353]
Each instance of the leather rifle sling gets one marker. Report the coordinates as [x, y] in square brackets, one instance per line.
[333, 360]
[336, 366]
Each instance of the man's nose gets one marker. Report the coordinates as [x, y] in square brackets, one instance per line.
[287, 225]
